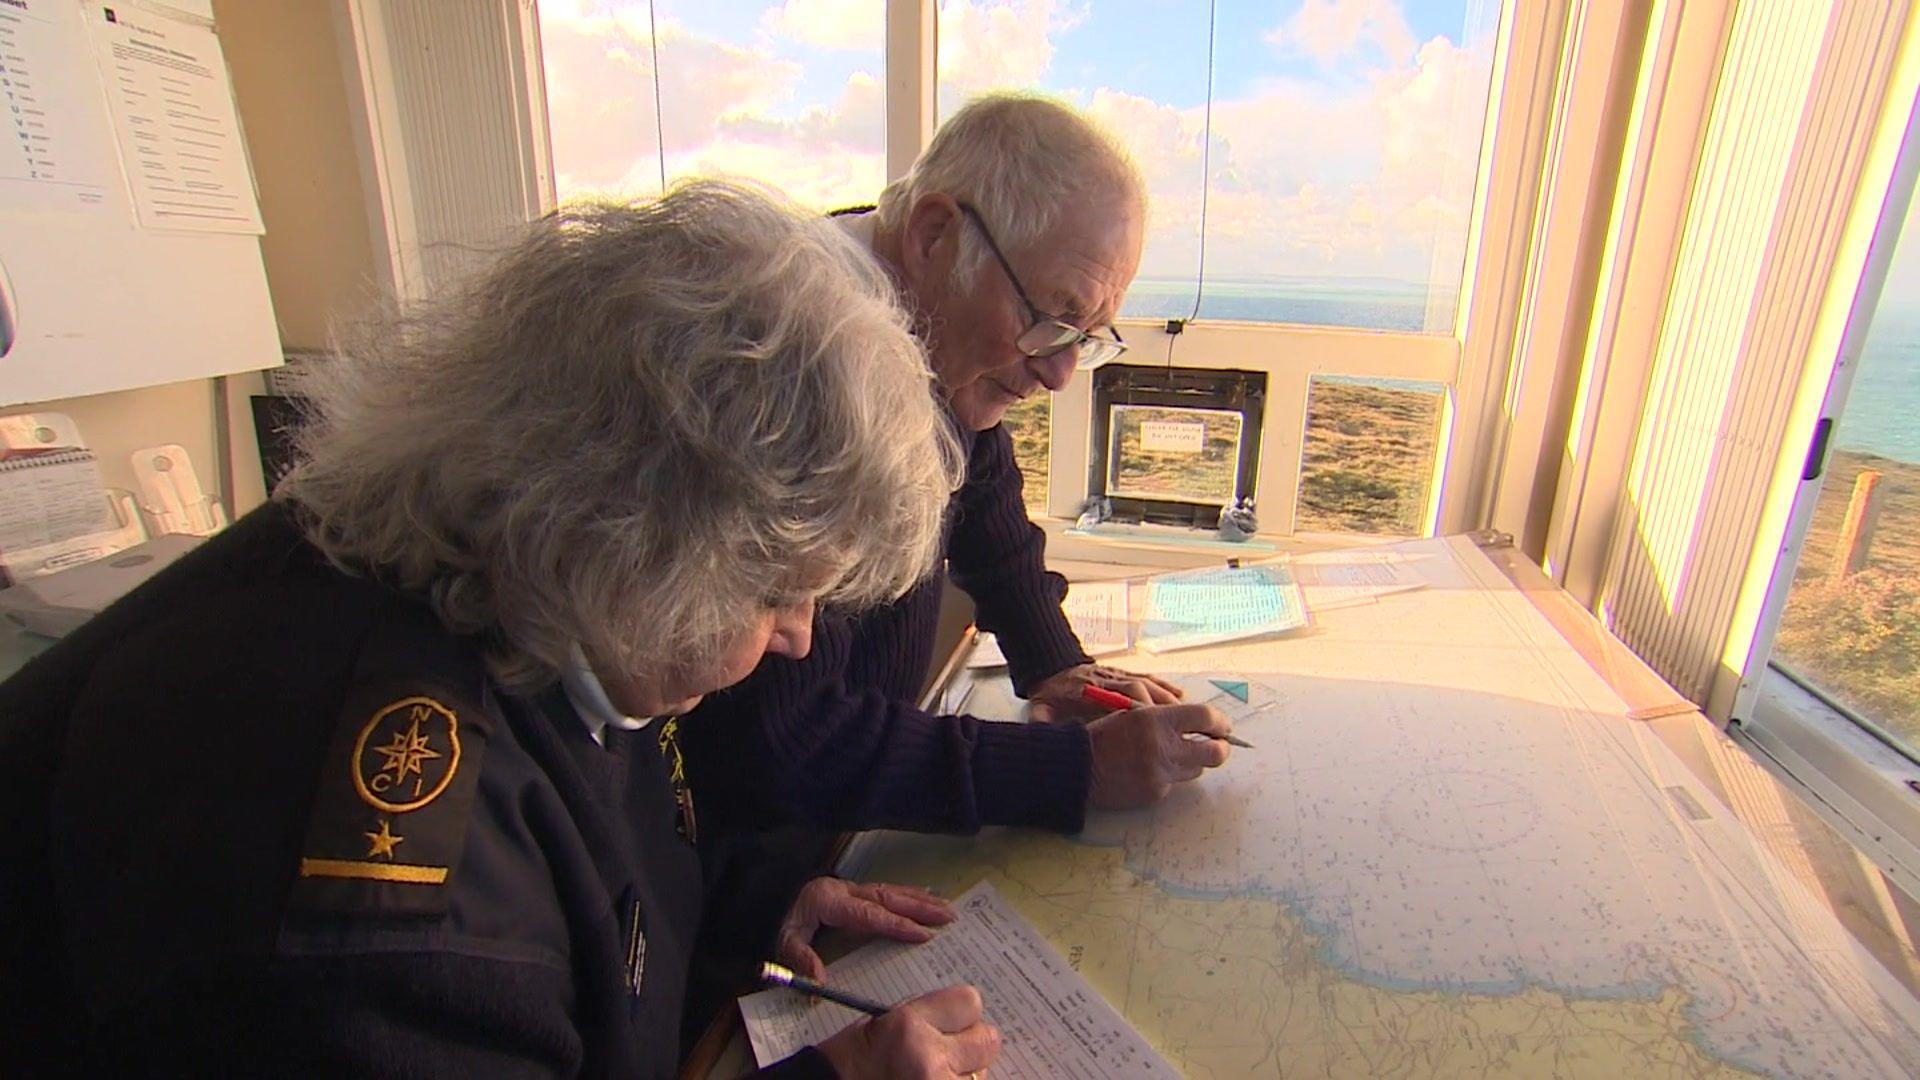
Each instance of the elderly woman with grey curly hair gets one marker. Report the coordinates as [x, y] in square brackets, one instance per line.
[385, 778]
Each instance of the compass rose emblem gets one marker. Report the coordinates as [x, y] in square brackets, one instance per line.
[406, 755]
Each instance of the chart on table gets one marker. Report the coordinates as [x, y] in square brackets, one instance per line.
[1473, 866]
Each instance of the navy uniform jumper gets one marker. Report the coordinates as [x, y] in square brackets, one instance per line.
[264, 817]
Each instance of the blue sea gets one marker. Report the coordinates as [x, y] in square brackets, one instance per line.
[1883, 409]
[1365, 303]
[1882, 414]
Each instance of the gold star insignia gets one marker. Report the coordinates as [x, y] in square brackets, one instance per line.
[383, 842]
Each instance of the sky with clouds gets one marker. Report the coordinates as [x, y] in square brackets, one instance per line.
[1345, 133]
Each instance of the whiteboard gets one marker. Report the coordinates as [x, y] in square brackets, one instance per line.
[96, 301]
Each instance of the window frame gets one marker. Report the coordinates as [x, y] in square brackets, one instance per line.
[1200, 513]
[1472, 361]
[1475, 361]
[1838, 384]
[1852, 773]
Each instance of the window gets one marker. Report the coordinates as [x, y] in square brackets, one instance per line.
[1175, 445]
[1029, 423]
[1343, 144]
[789, 94]
[1173, 453]
[1368, 460]
[1851, 626]
[1311, 164]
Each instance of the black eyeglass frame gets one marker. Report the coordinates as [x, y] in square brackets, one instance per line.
[1093, 350]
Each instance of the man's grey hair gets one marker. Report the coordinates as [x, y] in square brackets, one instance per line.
[642, 428]
[1020, 160]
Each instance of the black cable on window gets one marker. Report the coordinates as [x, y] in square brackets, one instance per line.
[1206, 164]
[1175, 326]
[660, 125]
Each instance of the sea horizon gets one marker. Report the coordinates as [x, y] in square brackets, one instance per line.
[1882, 415]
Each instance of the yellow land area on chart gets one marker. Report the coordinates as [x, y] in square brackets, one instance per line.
[1234, 986]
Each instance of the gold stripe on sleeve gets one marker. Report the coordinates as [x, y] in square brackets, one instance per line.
[371, 871]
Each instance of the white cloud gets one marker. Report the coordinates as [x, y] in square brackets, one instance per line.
[1333, 30]
[1366, 175]
[829, 157]
[997, 44]
[726, 107]
[830, 24]
[1364, 168]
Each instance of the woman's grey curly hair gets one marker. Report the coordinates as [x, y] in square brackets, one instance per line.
[645, 426]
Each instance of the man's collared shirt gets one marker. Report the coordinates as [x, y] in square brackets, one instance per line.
[860, 225]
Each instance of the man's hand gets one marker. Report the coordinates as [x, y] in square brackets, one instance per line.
[1138, 755]
[1059, 695]
[938, 1035]
[901, 912]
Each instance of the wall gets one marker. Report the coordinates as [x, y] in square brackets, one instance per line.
[289, 80]
[291, 84]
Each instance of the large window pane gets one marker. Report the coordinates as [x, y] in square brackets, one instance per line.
[1030, 425]
[1367, 462]
[1852, 621]
[789, 94]
[1345, 138]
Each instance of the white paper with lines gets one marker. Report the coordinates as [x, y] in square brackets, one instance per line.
[1051, 1022]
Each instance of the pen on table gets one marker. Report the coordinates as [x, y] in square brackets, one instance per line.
[1108, 699]
[779, 975]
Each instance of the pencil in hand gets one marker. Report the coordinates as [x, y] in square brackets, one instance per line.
[1108, 699]
[780, 975]
[1230, 740]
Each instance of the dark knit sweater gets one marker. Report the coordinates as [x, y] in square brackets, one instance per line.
[833, 741]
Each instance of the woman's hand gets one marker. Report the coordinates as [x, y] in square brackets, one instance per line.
[901, 912]
[935, 1036]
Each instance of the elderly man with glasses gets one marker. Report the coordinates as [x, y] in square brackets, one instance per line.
[1013, 240]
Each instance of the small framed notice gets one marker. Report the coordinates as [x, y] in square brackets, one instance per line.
[1173, 436]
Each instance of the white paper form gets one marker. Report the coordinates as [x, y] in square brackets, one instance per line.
[1098, 613]
[56, 150]
[173, 116]
[1339, 578]
[1052, 1023]
[53, 511]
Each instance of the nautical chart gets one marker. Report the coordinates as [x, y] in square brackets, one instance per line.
[1449, 853]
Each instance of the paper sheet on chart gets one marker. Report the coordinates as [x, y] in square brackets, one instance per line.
[1099, 615]
[174, 118]
[1334, 579]
[1052, 1023]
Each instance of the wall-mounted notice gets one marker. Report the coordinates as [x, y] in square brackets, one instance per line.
[1173, 436]
[174, 118]
[56, 152]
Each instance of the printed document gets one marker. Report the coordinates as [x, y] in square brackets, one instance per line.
[56, 152]
[1052, 1023]
[173, 111]
[1334, 579]
[1098, 613]
[1207, 607]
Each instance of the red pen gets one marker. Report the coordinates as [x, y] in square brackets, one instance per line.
[1108, 699]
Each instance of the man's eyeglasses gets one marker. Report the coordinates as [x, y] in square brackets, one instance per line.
[1049, 333]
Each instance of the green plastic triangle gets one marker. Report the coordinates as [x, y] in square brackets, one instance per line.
[1237, 689]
